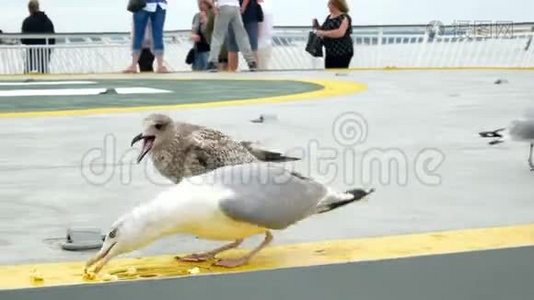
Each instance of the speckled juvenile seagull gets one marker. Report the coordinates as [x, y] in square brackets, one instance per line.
[181, 150]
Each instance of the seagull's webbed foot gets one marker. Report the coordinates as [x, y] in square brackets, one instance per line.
[200, 257]
[232, 263]
[237, 262]
[196, 257]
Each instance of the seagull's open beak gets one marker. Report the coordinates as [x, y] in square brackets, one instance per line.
[101, 258]
[148, 142]
[136, 139]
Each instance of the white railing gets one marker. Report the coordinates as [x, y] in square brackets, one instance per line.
[377, 48]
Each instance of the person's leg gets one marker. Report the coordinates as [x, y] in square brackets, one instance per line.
[252, 29]
[337, 62]
[195, 66]
[158, 21]
[220, 30]
[140, 19]
[28, 61]
[345, 61]
[40, 60]
[233, 49]
[48, 57]
[201, 61]
[329, 62]
[43, 60]
[241, 36]
[146, 61]
[223, 65]
[204, 56]
[37, 60]
[233, 61]
[223, 59]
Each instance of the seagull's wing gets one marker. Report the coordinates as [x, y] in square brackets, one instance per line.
[265, 155]
[269, 196]
[215, 149]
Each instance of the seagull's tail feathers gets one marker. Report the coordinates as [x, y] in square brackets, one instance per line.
[267, 156]
[495, 134]
[336, 201]
[492, 134]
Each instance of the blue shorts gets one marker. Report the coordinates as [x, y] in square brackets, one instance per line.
[252, 31]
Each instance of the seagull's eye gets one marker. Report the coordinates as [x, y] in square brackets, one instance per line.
[113, 233]
[158, 126]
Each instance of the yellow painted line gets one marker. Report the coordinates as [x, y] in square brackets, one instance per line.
[330, 88]
[289, 256]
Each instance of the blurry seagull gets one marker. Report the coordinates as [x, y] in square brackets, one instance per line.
[181, 150]
[519, 130]
[229, 204]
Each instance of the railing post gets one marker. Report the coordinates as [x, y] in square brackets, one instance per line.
[378, 58]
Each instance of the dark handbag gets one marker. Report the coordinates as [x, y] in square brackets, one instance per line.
[136, 5]
[190, 58]
[259, 14]
[314, 45]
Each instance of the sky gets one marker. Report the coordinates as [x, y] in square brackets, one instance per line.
[111, 15]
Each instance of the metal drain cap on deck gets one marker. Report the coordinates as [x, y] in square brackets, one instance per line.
[83, 239]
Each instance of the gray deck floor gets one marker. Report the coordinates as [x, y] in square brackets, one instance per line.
[43, 191]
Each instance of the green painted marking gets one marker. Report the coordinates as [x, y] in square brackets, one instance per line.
[183, 92]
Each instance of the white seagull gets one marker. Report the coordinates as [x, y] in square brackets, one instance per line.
[227, 204]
